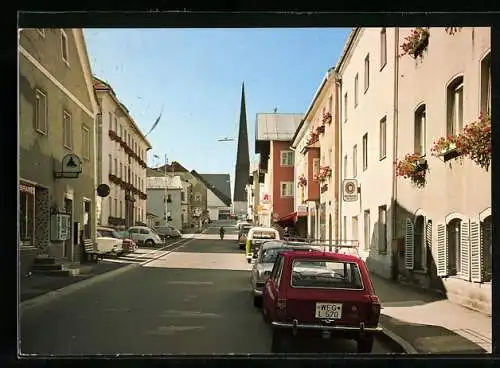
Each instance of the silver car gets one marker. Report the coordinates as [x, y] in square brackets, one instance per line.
[264, 262]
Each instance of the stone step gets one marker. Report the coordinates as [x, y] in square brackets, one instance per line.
[44, 260]
[47, 267]
[63, 272]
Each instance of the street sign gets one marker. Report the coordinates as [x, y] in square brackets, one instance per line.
[350, 190]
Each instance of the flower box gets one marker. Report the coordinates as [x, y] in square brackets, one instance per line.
[302, 181]
[412, 167]
[324, 188]
[320, 129]
[416, 42]
[327, 118]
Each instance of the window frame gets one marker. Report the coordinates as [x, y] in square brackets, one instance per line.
[38, 128]
[64, 47]
[383, 138]
[346, 100]
[356, 87]
[365, 151]
[315, 168]
[453, 126]
[366, 229]
[485, 77]
[284, 155]
[383, 48]
[367, 73]
[67, 130]
[288, 184]
[420, 130]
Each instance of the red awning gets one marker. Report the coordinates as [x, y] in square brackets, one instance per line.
[292, 217]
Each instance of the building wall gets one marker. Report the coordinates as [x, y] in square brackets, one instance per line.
[282, 205]
[373, 104]
[199, 190]
[41, 153]
[156, 206]
[451, 187]
[213, 205]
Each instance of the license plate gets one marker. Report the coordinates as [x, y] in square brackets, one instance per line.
[328, 311]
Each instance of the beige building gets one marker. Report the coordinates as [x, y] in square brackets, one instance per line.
[122, 155]
[444, 227]
[367, 74]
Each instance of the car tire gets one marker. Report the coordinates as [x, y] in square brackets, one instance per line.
[242, 246]
[279, 342]
[257, 301]
[365, 344]
[149, 243]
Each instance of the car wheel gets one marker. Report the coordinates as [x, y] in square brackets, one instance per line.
[257, 301]
[365, 344]
[150, 243]
[278, 344]
[242, 246]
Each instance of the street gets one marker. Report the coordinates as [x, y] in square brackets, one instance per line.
[194, 299]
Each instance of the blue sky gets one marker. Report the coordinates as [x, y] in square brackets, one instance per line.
[195, 75]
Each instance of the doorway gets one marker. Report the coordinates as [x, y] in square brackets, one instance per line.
[68, 243]
[330, 229]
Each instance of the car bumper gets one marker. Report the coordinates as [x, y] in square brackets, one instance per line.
[257, 291]
[295, 326]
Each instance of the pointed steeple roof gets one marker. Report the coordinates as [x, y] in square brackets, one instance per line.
[242, 154]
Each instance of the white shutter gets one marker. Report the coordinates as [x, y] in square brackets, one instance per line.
[442, 251]
[428, 241]
[464, 250]
[476, 240]
[409, 245]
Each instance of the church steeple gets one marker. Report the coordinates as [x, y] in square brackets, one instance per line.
[242, 154]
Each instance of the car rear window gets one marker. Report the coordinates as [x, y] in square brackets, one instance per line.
[264, 235]
[270, 255]
[326, 274]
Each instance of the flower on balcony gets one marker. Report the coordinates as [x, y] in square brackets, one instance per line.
[313, 137]
[113, 135]
[444, 145]
[475, 141]
[302, 181]
[416, 42]
[320, 129]
[452, 30]
[412, 167]
[324, 173]
[327, 118]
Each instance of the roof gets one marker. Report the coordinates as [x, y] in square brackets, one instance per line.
[174, 167]
[158, 182]
[276, 126]
[225, 199]
[220, 181]
[322, 255]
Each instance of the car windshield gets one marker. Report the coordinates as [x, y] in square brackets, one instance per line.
[326, 274]
[264, 235]
[269, 255]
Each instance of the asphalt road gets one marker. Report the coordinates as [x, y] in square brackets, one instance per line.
[194, 300]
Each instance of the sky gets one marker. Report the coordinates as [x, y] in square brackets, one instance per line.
[194, 77]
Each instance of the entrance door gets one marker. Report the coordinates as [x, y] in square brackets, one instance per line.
[68, 243]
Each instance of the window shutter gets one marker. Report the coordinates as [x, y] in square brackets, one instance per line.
[409, 245]
[428, 239]
[464, 251]
[442, 251]
[475, 252]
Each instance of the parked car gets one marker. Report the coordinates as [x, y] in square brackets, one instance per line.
[320, 295]
[144, 235]
[242, 235]
[168, 231]
[264, 262]
[108, 241]
[128, 244]
[256, 236]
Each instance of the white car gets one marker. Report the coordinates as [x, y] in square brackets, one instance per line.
[108, 244]
[144, 235]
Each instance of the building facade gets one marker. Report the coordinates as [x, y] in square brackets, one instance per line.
[122, 152]
[164, 202]
[57, 111]
[444, 222]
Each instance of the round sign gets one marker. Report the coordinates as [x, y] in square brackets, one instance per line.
[103, 190]
[350, 188]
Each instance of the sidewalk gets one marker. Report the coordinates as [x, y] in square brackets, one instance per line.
[427, 324]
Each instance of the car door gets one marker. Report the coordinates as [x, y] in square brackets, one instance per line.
[272, 287]
[134, 234]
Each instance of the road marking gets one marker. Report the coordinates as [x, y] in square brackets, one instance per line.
[116, 310]
[170, 330]
[188, 314]
[190, 282]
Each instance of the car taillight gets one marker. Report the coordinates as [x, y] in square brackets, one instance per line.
[375, 309]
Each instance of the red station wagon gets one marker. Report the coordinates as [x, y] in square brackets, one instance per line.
[320, 295]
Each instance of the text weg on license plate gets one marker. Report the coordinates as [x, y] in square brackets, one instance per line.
[328, 310]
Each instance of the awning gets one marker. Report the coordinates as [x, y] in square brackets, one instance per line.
[292, 217]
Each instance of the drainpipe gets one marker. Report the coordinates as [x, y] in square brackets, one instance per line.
[338, 108]
[394, 256]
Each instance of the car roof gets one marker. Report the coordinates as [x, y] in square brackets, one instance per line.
[321, 255]
[260, 228]
[105, 228]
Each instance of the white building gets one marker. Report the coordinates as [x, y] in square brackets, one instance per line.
[121, 162]
[165, 200]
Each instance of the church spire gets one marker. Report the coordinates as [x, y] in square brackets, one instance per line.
[242, 154]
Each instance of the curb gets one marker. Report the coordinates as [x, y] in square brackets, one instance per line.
[405, 345]
[42, 299]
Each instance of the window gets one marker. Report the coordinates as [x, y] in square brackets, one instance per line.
[486, 84]
[121, 172]
[121, 207]
[40, 111]
[116, 207]
[419, 136]
[277, 270]
[67, 130]
[115, 171]
[41, 31]
[169, 198]
[315, 168]
[330, 102]
[26, 215]
[326, 274]
[286, 158]
[453, 236]
[418, 243]
[455, 103]
[64, 47]
[116, 126]
[110, 160]
[110, 118]
[345, 166]
[486, 243]
[367, 233]
[197, 197]
[354, 160]
[356, 90]
[121, 128]
[383, 138]
[382, 229]
[365, 152]
[354, 227]
[367, 72]
[345, 107]
[85, 142]
[383, 48]
[286, 188]
[183, 196]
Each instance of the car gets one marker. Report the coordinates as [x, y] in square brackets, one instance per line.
[168, 231]
[108, 242]
[256, 236]
[144, 235]
[321, 295]
[128, 245]
[242, 235]
[264, 263]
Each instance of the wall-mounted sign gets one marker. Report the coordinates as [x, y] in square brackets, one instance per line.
[350, 190]
[103, 190]
[71, 167]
